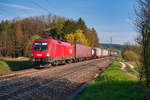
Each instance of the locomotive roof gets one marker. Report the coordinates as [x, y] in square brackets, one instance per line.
[54, 41]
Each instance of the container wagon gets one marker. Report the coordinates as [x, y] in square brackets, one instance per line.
[99, 53]
[105, 53]
[82, 52]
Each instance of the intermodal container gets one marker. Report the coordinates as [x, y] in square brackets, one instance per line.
[82, 51]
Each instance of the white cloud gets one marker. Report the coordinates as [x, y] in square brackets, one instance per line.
[117, 37]
[16, 6]
[130, 21]
[121, 33]
[104, 28]
[113, 28]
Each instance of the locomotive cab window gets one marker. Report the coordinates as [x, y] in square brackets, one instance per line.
[40, 46]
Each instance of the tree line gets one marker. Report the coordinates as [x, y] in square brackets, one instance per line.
[17, 35]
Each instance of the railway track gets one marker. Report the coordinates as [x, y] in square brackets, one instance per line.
[66, 78]
[22, 73]
[28, 72]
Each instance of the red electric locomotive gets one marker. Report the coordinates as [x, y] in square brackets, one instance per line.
[51, 51]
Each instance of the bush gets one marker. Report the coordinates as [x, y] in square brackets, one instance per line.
[28, 45]
[130, 56]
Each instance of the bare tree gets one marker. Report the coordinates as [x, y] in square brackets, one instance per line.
[143, 27]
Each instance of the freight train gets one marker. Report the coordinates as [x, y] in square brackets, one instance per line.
[55, 52]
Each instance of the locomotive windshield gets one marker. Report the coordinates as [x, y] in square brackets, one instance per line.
[40, 46]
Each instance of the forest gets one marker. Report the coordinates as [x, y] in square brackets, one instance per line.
[17, 35]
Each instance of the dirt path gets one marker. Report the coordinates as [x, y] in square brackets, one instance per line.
[53, 84]
[123, 66]
[123, 69]
[132, 68]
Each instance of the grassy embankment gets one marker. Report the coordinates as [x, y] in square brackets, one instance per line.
[129, 70]
[136, 67]
[114, 84]
[12, 64]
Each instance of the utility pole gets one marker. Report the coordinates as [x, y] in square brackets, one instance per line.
[111, 42]
[110, 45]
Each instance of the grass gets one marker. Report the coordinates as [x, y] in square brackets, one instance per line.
[129, 70]
[11, 64]
[114, 84]
[119, 59]
[136, 67]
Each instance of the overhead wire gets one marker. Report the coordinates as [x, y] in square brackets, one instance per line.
[2, 10]
[35, 3]
[5, 11]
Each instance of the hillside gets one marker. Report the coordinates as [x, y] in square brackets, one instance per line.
[114, 46]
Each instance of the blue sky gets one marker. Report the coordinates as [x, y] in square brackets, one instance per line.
[110, 18]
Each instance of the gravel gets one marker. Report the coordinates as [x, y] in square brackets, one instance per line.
[55, 83]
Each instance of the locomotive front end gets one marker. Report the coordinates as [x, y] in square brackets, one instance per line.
[40, 52]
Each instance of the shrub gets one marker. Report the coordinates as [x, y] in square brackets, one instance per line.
[130, 56]
[28, 45]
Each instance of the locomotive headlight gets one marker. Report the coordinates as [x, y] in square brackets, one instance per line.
[47, 54]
